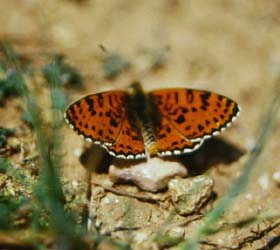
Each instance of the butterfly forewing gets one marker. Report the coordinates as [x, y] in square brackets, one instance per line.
[103, 119]
[98, 117]
[194, 114]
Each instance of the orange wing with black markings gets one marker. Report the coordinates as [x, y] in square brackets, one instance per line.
[181, 119]
[169, 141]
[129, 143]
[187, 117]
[103, 119]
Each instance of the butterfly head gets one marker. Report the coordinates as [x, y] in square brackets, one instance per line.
[135, 88]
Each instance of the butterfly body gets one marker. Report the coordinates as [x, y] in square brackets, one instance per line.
[162, 122]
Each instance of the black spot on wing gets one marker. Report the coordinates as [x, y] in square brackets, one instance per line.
[72, 110]
[184, 110]
[203, 107]
[188, 127]
[161, 136]
[228, 103]
[113, 122]
[176, 97]
[205, 96]
[200, 127]
[78, 103]
[90, 102]
[100, 99]
[180, 119]
[110, 100]
[100, 132]
[194, 109]
[189, 96]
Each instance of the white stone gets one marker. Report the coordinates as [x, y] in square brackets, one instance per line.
[151, 175]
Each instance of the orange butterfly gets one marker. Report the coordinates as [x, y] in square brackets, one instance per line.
[163, 122]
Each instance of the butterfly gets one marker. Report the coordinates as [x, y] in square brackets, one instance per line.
[132, 125]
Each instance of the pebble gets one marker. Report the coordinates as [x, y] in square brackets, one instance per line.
[190, 194]
[151, 175]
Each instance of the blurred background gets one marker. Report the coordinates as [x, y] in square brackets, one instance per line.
[229, 47]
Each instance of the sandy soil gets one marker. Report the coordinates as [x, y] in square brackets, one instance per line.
[230, 47]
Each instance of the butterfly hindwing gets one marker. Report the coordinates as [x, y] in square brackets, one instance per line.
[169, 141]
[130, 143]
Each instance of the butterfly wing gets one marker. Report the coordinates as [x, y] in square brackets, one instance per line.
[129, 144]
[103, 119]
[169, 141]
[193, 115]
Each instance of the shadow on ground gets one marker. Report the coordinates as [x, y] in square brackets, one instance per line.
[213, 152]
